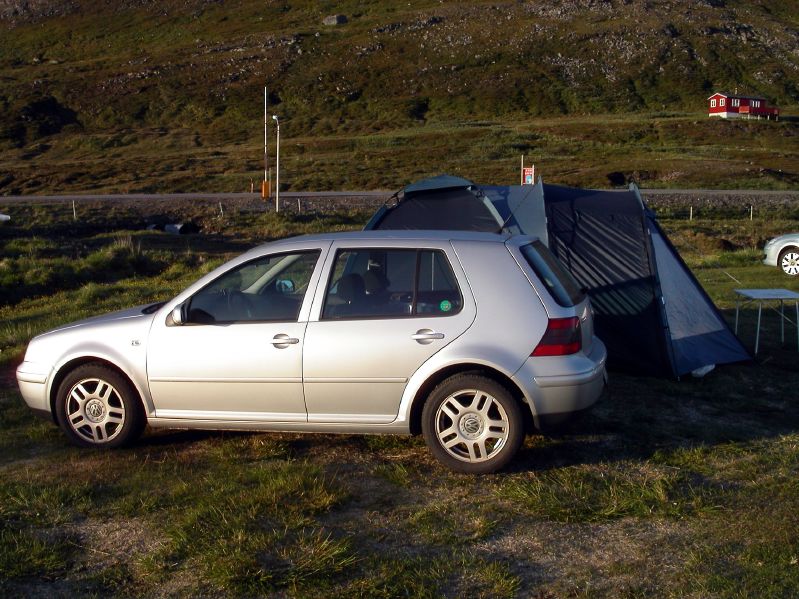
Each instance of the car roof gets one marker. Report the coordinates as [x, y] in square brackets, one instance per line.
[401, 235]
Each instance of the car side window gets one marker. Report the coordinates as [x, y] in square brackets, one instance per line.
[437, 291]
[270, 288]
[391, 283]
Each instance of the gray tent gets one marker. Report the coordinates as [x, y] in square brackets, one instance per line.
[651, 312]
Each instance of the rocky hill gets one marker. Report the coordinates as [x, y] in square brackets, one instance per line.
[201, 65]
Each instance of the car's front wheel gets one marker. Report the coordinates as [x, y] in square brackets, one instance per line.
[789, 261]
[97, 407]
[472, 424]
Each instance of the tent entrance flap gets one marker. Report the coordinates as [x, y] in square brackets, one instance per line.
[601, 238]
[698, 333]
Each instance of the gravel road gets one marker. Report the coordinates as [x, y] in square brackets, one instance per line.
[188, 203]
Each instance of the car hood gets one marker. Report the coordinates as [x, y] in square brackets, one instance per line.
[145, 311]
[119, 337]
[791, 237]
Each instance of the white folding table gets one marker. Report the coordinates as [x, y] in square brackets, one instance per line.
[766, 296]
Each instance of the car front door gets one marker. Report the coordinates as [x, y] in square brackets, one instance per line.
[237, 354]
[385, 311]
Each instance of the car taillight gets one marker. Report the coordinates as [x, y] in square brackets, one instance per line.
[561, 338]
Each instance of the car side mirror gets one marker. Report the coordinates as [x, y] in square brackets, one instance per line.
[177, 314]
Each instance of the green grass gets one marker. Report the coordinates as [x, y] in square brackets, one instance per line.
[666, 488]
[26, 554]
[604, 492]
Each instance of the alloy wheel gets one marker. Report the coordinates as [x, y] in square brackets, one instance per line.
[472, 426]
[790, 263]
[95, 410]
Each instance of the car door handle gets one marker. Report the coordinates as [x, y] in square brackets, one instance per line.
[282, 341]
[426, 336]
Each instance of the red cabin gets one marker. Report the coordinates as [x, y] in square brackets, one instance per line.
[731, 106]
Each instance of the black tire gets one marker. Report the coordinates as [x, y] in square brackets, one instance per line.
[98, 407]
[472, 424]
[789, 261]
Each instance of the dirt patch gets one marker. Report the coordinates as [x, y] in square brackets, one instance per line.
[568, 559]
[108, 543]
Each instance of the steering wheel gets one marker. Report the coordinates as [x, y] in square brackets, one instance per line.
[238, 304]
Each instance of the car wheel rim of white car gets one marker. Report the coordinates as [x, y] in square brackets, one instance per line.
[95, 410]
[472, 426]
[790, 263]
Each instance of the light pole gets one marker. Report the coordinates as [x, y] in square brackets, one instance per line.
[265, 192]
[277, 165]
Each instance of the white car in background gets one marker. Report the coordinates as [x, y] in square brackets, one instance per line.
[783, 251]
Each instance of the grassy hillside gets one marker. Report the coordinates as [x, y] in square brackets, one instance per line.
[144, 95]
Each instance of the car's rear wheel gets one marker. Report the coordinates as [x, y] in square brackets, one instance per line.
[472, 424]
[97, 407]
[789, 261]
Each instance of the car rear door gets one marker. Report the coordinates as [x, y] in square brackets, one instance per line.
[381, 313]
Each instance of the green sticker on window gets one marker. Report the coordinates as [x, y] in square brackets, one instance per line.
[445, 306]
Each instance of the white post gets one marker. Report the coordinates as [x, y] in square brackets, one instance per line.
[74, 212]
[277, 165]
[691, 213]
[521, 172]
[265, 193]
[751, 212]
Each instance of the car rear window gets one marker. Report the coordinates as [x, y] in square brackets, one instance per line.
[558, 281]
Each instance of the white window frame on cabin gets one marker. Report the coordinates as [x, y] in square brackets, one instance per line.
[713, 103]
[721, 102]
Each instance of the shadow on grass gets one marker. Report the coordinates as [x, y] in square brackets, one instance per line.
[737, 403]
[171, 437]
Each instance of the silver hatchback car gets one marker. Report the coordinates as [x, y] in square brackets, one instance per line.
[468, 338]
